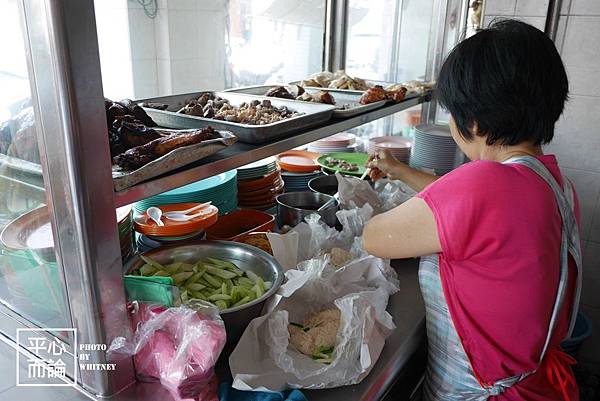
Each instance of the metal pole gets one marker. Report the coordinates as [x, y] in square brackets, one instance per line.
[336, 31]
[554, 7]
[69, 108]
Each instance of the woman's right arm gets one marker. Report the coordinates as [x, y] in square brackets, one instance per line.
[384, 164]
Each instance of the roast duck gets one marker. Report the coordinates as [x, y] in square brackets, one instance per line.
[135, 139]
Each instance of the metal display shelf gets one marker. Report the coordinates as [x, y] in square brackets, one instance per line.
[241, 154]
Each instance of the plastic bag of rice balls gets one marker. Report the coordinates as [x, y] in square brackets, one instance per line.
[323, 329]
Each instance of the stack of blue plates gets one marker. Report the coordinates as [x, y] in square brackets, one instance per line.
[434, 149]
[298, 182]
[220, 189]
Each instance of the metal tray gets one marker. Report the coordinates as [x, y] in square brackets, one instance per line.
[342, 97]
[370, 82]
[314, 114]
[174, 159]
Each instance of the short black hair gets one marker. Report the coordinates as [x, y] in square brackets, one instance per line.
[509, 80]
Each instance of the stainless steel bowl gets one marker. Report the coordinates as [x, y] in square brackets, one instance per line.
[244, 256]
[293, 207]
[324, 184]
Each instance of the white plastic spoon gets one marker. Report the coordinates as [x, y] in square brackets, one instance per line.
[185, 212]
[155, 214]
[185, 217]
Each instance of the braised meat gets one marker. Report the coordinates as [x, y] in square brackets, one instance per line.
[139, 156]
[128, 126]
[377, 93]
[279, 91]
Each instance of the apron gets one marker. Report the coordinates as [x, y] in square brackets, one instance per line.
[449, 375]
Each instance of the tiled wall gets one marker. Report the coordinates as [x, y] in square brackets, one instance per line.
[577, 143]
[577, 139]
[531, 11]
[177, 51]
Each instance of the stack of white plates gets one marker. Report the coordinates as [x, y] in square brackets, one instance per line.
[342, 142]
[434, 149]
[398, 146]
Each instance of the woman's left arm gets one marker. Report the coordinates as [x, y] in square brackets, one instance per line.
[408, 230]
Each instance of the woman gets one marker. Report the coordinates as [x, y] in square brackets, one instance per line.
[501, 282]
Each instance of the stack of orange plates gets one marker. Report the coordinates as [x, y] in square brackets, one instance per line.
[173, 229]
[299, 161]
[258, 185]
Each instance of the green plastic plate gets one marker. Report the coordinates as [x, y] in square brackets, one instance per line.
[358, 158]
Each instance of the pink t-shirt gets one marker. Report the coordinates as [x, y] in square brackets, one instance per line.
[500, 230]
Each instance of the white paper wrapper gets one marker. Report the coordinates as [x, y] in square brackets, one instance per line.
[263, 358]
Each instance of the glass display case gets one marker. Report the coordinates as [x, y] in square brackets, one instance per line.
[60, 263]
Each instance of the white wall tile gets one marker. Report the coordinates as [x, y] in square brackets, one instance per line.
[538, 22]
[560, 32]
[587, 186]
[182, 4]
[141, 33]
[564, 8]
[163, 73]
[145, 70]
[211, 5]
[584, 81]
[585, 7]
[577, 137]
[161, 35]
[538, 8]
[185, 76]
[500, 7]
[581, 42]
[110, 4]
[184, 34]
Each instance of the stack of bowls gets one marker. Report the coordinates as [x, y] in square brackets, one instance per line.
[398, 146]
[342, 142]
[125, 225]
[434, 149]
[220, 189]
[258, 184]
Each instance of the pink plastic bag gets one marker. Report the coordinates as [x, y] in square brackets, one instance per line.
[177, 346]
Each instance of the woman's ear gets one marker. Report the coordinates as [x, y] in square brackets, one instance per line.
[475, 130]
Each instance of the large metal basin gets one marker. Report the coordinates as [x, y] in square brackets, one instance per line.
[244, 256]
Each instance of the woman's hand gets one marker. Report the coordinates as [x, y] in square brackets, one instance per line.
[382, 164]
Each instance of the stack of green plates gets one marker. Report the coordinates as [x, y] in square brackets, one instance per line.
[125, 224]
[220, 189]
[257, 169]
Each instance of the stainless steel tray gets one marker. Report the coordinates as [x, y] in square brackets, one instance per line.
[342, 97]
[370, 82]
[314, 114]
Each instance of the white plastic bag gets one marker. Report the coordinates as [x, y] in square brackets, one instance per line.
[263, 358]
[383, 196]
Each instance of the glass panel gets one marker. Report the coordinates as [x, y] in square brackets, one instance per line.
[176, 46]
[31, 282]
[388, 39]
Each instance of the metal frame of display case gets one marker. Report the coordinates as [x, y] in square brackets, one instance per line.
[72, 136]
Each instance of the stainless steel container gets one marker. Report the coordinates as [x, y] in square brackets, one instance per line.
[243, 256]
[313, 114]
[325, 184]
[293, 207]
